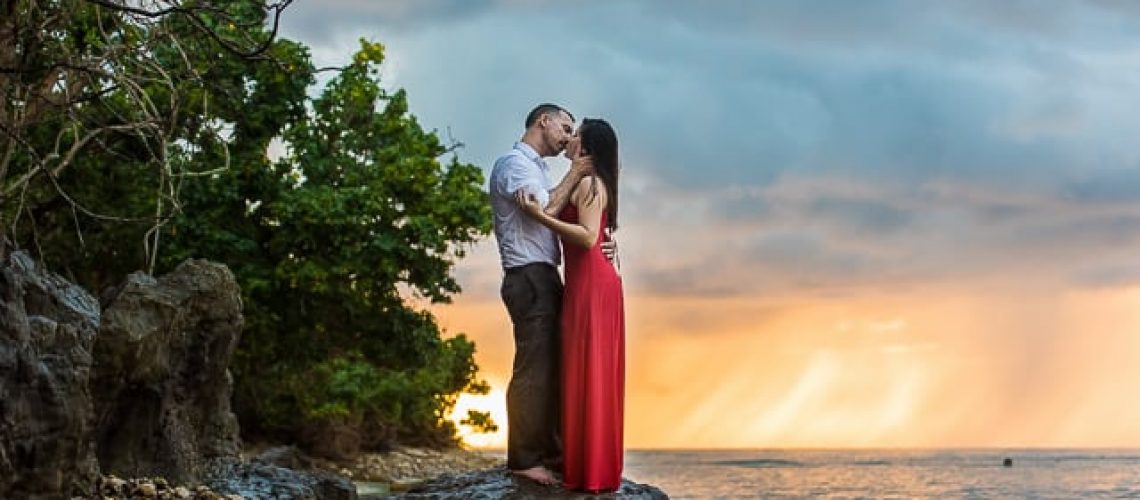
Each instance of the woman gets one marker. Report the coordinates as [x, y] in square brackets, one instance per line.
[593, 318]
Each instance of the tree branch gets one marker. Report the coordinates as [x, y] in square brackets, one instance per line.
[192, 14]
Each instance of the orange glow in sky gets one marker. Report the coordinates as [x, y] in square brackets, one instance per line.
[981, 366]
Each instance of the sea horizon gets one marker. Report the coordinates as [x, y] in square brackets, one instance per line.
[865, 448]
[991, 472]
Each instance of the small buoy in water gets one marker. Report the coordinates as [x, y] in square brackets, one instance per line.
[1008, 462]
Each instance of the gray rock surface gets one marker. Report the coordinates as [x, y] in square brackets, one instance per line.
[137, 389]
[499, 483]
[259, 480]
[160, 382]
[47, 329]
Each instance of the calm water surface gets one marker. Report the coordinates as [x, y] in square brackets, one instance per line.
[889, 474]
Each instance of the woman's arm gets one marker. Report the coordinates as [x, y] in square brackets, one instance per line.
[590, 200]
[560, 195]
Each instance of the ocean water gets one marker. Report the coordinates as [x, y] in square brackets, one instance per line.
[889, 474]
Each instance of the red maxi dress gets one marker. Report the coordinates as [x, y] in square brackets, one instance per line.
[593, 367]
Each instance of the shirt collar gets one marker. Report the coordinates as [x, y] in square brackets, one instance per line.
[529, 152]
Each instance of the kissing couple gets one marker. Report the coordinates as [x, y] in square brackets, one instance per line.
[566, 396]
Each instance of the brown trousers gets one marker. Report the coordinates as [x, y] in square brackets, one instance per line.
[533, 296]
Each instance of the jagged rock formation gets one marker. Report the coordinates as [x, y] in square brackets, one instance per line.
[161, 386]
[139, 388]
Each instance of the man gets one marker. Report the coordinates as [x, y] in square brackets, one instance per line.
[532, 288]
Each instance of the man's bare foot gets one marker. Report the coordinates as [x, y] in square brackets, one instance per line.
[538, 474]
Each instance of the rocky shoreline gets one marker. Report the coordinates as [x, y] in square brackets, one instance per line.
[129, 397]
[404, 473]
[157, 487]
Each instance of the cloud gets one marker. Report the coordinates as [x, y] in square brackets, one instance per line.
[837, 234]
[856, 210]
[741, 92]
[322, 22]
[775, 146]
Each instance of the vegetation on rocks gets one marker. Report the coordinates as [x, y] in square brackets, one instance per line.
[136, 135]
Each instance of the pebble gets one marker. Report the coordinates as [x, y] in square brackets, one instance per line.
[399, 470]
[405, 468]
[147, 490]
[114, 488]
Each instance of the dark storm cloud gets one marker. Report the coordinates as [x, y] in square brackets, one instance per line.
[969, 137]
[738, 92]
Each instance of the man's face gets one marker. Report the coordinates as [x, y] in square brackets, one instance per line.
[573, 146]
[558, 129]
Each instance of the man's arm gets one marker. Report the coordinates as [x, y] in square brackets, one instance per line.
[560, 195]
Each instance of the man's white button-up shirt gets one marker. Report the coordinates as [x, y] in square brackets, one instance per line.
[522, 240]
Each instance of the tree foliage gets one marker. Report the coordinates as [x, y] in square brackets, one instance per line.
[135, 135]
[324, 239]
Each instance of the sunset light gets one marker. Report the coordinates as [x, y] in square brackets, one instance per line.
[929, 369]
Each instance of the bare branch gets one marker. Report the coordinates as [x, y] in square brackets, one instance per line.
[62, 101]
[123, 7]
[192, 14]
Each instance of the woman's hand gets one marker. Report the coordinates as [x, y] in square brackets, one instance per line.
[582, 166]
[528, 202]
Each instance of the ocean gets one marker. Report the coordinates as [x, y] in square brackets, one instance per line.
[1037, 473]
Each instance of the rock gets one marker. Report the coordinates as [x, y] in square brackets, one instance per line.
[147, 490]
[288, 457]
[416, 452]
[47, 329]
[160, 383]
[112, 486]
[332, 440]
[260, 480]
[405, 484]
[154, 363]
[500, 483]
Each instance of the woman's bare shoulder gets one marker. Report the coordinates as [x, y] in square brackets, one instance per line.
[590, 188]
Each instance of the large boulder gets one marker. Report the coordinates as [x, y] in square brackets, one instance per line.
[154, 364]
[160, 383]
[47, 328]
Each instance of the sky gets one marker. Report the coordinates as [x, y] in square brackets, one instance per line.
[844, 224]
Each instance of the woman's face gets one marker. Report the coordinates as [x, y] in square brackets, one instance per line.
[574, 146]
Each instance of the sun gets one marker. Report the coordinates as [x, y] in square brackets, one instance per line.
[494, 402]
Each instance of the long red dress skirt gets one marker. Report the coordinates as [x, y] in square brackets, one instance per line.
[593, 368]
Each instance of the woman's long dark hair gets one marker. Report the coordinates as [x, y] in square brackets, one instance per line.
[600, 142]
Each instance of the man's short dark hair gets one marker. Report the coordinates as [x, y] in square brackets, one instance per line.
[543, 109]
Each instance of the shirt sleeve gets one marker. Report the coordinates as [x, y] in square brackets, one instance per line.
[519, 175]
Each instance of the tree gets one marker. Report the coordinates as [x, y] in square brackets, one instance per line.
[104, 105]
[135, 134]
[323, 240]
